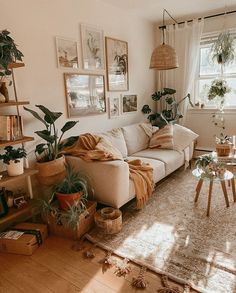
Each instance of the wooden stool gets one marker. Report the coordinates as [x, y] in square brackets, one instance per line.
[228, 176]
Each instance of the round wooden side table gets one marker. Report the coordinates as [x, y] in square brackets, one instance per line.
[228, 177]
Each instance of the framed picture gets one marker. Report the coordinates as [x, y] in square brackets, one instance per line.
[129, 104]
[85, 94]
[114, 107]
[67, 53]
[92, 47]
[117, 65]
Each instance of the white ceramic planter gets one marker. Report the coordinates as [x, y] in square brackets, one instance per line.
[15, 169]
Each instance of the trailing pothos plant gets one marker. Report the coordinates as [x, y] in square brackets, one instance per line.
[50, 150]
[171, 111]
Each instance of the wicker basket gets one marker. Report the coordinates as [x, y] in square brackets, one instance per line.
[109, 220]
[223, 150]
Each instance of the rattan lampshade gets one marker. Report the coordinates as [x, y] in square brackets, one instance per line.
[163, 58]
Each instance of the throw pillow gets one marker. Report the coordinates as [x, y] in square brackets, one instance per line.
[148, 128]
[183, 137]
[163, 138]
[117, 139]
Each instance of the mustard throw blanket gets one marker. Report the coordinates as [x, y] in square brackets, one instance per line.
[91, 148]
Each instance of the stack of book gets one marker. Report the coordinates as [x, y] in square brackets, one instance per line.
[10, 127]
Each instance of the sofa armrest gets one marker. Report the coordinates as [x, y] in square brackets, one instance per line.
[109, 179]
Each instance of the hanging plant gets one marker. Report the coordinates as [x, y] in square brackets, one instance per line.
[222, 49]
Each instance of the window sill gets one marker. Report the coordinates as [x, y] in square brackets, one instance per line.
[211, 110]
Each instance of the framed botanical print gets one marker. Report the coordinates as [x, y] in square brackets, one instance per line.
[92, 41]
[129, 104]
[85, 94]
[117, 64]
[114, 107]
[67, 53]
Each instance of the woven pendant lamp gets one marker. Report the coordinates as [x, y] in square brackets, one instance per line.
[164, 56]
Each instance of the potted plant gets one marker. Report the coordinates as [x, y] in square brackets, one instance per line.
[72, 189]
[209, 166]
[223, 145]
[171, 114]
[9, 55]
[218, 89]
[13, 158]
[222, 49]
[50, 163]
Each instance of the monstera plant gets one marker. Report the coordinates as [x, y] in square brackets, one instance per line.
[171, 112]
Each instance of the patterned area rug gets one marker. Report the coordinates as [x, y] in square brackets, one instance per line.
[172, 235]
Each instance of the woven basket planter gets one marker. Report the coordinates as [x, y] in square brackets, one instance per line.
[109, 220]
[223, 150]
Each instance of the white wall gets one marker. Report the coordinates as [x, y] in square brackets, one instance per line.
[34, 25]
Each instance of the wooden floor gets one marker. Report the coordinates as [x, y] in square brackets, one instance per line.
[55, 267]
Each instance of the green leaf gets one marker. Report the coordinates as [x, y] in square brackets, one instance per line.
[36, 115]
[44, 134]
[146, 109]
[68, 126]
[50, 117]
[40, 148]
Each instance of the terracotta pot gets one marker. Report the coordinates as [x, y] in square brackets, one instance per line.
[15, 169]
[67, 200]
[50, 173]
[223, 150]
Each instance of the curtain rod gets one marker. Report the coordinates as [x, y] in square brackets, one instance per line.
[205, 17]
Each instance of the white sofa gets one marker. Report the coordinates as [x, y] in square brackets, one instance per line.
[110, 179]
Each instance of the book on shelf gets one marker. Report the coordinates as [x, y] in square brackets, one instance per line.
[10, 127]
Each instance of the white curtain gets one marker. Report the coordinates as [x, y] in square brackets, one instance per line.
[185, 38]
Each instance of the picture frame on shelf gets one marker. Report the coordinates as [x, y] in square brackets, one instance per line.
[129, 104]
[117, 64]
[85, 94]
[92, 41]
[67, 53]
[114, 107]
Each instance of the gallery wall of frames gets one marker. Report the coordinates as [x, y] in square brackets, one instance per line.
[94, 65]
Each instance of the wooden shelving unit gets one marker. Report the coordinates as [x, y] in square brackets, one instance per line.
[13, 103]
[8, 179]
[4, 143]
[25, 212]
[20, 214]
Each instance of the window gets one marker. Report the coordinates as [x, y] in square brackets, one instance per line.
[208, 71]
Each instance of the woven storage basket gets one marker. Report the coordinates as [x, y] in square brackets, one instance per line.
[223, 150]
[109, 220]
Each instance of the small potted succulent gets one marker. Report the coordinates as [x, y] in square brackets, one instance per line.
[223, 145]
[13, 158]
[72, 189]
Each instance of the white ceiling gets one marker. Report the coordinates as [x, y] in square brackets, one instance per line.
[179, 9]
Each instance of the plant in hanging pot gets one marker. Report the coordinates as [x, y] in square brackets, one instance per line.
[223, 145]
[9, 54]
[222, 50]
[73, 188]
[217, 90]
[50, 162]
[13, 158]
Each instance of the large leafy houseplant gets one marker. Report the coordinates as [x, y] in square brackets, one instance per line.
[8, 53]
[50, 149]
[171, 113]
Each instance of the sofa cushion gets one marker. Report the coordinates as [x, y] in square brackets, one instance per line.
[148, 128]
[183, 137]
[163, 138]
[116, 137]
[173, 159]
[135, 137]
[158, 167]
